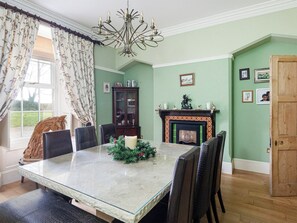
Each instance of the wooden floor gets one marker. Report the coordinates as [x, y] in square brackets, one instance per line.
[246, 198]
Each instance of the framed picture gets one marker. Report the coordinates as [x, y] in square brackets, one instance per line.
[244, 74]
[262, 75]
[106, 87]
[263, 96]
[247, 96]
[187, 79]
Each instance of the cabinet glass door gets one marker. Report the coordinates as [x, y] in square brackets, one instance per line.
[120, 108]
[131, 108]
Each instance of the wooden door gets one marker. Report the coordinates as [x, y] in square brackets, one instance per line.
[283, 125]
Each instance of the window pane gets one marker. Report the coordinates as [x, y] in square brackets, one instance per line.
[46, 103]
[30, 120]
[32, 72]
[15, 124]
[45, 73]
[30, 99]
[30, 107]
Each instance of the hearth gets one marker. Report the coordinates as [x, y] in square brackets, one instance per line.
[191, 127]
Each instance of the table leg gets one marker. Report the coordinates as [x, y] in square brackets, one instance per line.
[104, 216]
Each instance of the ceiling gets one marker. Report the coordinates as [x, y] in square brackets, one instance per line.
[166, 13]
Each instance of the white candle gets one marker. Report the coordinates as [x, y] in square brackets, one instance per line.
[130, 141]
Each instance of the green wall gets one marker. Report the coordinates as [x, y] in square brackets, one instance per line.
[143, 74]
[216, 80]
[211, 84]
[251, 121]
[104, 100]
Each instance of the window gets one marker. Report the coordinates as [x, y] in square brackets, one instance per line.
[35, 101]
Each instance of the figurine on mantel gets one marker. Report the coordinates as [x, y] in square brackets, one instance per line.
[185, 104]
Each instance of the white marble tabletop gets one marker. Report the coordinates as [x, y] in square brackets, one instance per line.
[124, 191]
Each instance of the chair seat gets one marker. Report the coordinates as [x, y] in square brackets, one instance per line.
[43, 206]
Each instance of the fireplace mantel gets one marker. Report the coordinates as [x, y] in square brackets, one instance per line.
[187, 115]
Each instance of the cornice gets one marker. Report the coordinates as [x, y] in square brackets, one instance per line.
[49, 15]
[108, 69]
[246, 12]
[220, 57]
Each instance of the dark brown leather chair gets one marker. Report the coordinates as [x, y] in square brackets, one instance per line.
[180, 205]
[43, 206]
[216, 186]
[56, 143]
[85, 137]
[106, 131]
[204, 179]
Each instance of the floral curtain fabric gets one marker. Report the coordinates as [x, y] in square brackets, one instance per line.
[17, 38]
[76, 64]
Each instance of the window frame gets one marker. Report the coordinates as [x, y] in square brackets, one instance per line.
[21, 142]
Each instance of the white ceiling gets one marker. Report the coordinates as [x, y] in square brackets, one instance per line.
[166, 13]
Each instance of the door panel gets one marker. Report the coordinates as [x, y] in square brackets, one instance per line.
[283, 125]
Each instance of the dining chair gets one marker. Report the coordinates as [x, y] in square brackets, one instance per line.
[204, 180]
[85, 137]
[106, 131]
[216, 186]
[56, 143]
[181, 198]
[43, 206]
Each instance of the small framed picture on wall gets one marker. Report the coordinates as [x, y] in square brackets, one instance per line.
[263, 96]
[187, 79]
[247, 96]
[262, 75]
[106, 87]
[244, 74]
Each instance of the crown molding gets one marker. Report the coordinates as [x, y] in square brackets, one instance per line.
[246, 12]
[49, 15]
[109, 70]
[225, 56]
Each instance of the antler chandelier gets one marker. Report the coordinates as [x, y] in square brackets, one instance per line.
[128, 36]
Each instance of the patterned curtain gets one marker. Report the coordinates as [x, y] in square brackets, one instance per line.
[76, 64]
[17, 38]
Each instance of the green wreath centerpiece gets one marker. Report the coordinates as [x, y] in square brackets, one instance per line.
[142, 151]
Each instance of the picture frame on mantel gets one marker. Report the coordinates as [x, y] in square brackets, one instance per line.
[187, 79]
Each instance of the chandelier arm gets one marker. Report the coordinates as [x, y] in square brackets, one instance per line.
[113, 32]
[132, 38]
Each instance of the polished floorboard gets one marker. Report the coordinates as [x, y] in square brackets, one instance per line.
[245, 194]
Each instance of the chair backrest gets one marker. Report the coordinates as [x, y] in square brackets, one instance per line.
[85, 137]
[204, 178]
[218, 161]
[106, 131]
[56, 143]
[180, 205]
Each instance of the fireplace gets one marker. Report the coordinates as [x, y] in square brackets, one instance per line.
[187, 132]
[191, 127]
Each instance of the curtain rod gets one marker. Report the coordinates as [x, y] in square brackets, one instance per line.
[52, 24]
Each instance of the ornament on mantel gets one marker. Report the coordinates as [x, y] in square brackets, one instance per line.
[185, 104]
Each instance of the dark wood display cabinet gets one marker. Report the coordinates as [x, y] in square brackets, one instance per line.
[125, 110]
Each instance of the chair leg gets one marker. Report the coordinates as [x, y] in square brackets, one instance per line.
[22, 179]
[208, 214]
[214, 209]
[221, 201]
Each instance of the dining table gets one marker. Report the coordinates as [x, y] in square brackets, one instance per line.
[126, 192]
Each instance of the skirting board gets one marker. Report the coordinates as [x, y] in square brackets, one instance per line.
[10, 176]
[227, 168]
[251, 165]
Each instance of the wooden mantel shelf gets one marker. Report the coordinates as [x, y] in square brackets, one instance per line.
[186, 112]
